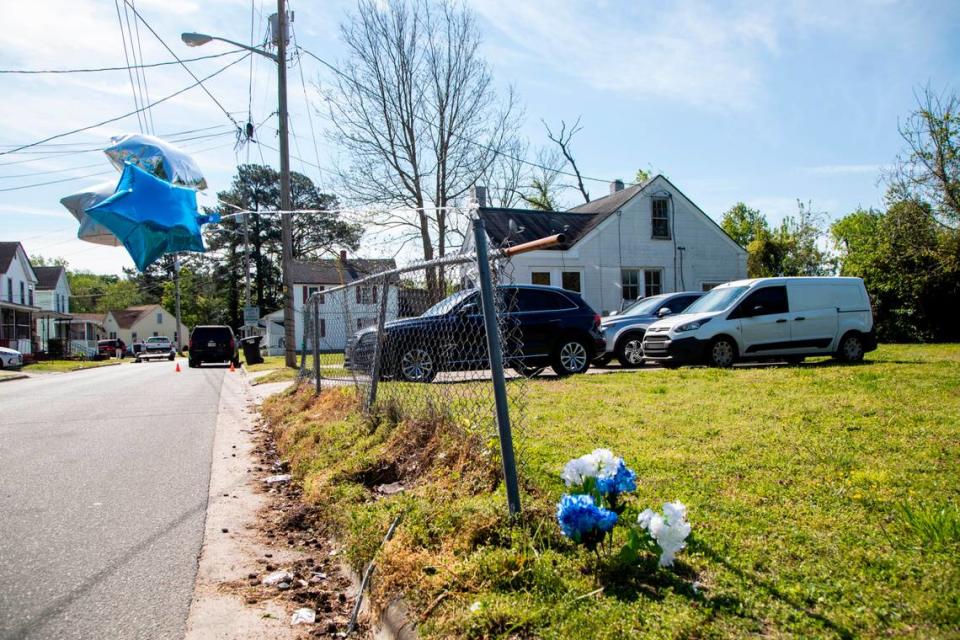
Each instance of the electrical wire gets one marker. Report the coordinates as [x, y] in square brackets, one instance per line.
[133, 54]
[103, 69]
[456, 135]
[188, 70]
[126, 115]
[143, 74]
[306, 104]
[126, 57]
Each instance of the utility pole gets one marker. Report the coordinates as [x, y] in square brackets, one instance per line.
[176, 277]
[246, 265]
[289, 336]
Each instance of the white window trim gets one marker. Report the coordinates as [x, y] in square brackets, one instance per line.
[643, 280]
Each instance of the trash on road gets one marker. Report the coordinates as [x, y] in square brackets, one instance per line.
[278, 479]
[277, 577]
[305, 615]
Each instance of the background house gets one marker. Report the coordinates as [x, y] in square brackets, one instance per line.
[635, 242]
[53, 319]
[85, 330]
[343, 313]
[141, 322]
[17, 305]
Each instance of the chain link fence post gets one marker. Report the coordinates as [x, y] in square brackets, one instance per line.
[378, 347]
[316, 341]
[492, 329]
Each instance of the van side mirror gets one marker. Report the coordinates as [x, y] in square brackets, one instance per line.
[469, 309]
[664, 311]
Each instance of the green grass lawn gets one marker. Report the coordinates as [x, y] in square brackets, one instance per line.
[823, 498]
[62, 366]
[332, 364]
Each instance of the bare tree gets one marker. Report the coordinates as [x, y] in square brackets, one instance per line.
[562, 139]
[416, 111]
[507, 176]
[545, 189]
[928, 170]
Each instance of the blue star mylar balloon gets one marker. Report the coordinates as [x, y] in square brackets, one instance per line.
[150, 216]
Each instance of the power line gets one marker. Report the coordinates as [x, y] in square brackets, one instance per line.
[456, 135]
[126, 57]
[126, 115]
[143, 74]
[102, 69]
[43, 184]
[188, 70]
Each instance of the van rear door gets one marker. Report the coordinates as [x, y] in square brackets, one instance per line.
[813, 317]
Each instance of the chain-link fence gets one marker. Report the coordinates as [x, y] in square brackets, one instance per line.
[415, 340]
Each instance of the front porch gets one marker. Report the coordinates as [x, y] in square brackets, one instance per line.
[17, 327]
[53, 332]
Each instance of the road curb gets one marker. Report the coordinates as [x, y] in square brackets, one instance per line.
[17, 376]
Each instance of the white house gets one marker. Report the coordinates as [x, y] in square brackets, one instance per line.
[17, 305]
[141, 322]
[53, 298]
[344, 312]
[635, 242]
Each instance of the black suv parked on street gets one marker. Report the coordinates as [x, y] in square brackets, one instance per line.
[544, 326]
[213, 343]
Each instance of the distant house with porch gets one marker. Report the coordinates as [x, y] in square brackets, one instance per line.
[85, 330]
[344, 313]
[53, 319]
[18, 308]
[138, 323]
[635, 242]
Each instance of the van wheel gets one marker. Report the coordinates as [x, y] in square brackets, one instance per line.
[723, 353]
[630, 350]
[851, 348]
[571, 356]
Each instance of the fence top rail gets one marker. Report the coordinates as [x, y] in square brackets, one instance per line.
[459, 258]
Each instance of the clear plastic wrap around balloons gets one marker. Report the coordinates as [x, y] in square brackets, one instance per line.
[157, 157]
[91, 230]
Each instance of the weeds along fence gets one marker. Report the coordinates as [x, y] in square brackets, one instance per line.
[436, 338]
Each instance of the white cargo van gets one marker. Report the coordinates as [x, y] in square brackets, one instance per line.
[766, 318]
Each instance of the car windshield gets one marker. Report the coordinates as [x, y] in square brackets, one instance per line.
[158, 339]
[717, 300]
[447, 305]
[644, 307]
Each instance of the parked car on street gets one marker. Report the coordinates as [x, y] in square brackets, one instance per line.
[10, 358]
[157, 347]
[768, 318]
[553, 327]
[212, 343]
[624, 331]
[111, 348]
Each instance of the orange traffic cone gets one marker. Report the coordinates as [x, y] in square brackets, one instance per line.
[178, 367]
[231, 366]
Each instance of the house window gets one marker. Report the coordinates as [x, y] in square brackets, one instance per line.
[367, 295]
[30, 295]
[630, 283]
[155, 334]
[22, 296]
[9, 289]
[323, 327]
[571, 281]
[652, 282]
[540, 277]
[320, 290]
[134, 336]
[159, 318]
[707, 286]
[660, 219]
[113, 335]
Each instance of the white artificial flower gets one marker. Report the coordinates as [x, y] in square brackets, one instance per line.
[578, 470]
[670, 532]
[606, 464]
[476, 606]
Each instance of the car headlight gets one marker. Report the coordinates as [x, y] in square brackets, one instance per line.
[692, 326]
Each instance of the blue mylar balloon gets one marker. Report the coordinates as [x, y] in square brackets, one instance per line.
[150, 216]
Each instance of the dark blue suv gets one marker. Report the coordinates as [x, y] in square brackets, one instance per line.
[543, 326]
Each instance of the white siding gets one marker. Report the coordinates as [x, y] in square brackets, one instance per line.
[339, 309]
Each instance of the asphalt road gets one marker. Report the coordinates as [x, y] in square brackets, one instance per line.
[103, 493]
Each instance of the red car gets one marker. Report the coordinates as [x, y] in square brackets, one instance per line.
[109, 348]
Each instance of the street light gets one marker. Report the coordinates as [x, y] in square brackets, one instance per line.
[286, 227]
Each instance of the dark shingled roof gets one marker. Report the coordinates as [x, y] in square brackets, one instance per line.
[334, 271]
[531, 224]
[47, 277]
[126, 318]
[8, 250]
[575, 223]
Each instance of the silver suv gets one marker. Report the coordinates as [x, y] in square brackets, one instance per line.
[624, 331]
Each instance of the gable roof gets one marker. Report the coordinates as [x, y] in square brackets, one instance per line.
[530, 224]
[89, 317]
[335, 271]
[8, 252]
[128, 317]
[47, 277]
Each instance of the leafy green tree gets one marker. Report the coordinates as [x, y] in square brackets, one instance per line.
[119, 295]
[744, 224]
[87, 289]
[641, 176]
[801, 238]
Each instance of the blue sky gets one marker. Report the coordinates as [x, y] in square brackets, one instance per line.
[760, 102]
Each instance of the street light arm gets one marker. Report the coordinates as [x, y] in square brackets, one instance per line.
[191, 39]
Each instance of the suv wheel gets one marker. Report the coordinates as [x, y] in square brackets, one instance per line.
[193, 364]
[630, 350]
[723, 353]
[416, 365]
[851, 348]
[570, 356]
